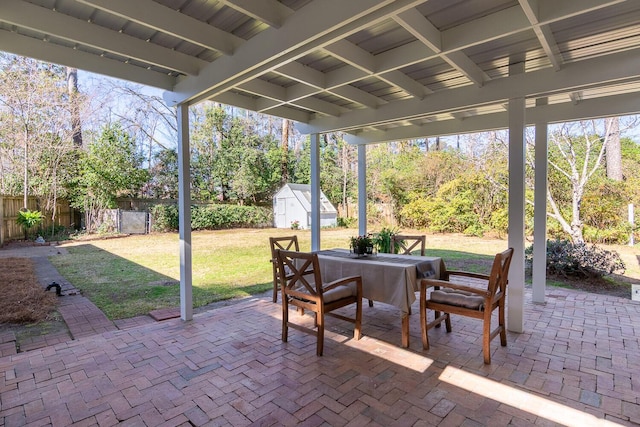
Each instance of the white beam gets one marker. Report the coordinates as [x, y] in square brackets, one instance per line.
[357, 95]
[406, 83]
[362, 190]
[271, 12]
[421, 28]
[352, 55]
[539, 267]
[543, 33]
[165, 20]
[614, 105]
[56, 54]
[466, 66]
[321, 106]
[184, 214]
[315, 192]
[312, 27]
[550, 11]
[27, 15]
[303, 74]
[574, 76]
[517, 143]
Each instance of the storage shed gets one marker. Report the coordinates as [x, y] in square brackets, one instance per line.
[293, 203]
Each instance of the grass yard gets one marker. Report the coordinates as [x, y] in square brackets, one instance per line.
[130, 276]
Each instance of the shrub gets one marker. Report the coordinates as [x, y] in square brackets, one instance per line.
[347, 222]
[618, 234]
[415, 214]
[164, 218]
[212, 217]
[578, 260]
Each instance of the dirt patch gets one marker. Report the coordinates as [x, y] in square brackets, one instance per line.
[23, 298]
[601, 286]
[25, 308]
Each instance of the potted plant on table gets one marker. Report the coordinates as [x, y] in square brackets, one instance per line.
[362, 245]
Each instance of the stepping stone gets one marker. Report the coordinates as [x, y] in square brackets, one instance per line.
[165, 313]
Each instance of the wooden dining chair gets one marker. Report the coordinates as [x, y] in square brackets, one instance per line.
[479, 303]
[302, 287]
[405, 245]
[287, 243]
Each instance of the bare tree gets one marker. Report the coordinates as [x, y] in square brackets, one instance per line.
[35, 120]
[577, 153]
[284, 165]
[613, 150]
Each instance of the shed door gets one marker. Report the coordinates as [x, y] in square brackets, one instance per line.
[281, 213]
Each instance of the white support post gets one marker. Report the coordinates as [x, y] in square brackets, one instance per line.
[184, 213]
[515, 292]
[315, 191]
[540, 212]
[632, 222]
[362, 189]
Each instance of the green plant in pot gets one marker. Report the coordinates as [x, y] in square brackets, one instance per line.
[362, 245]
[383, 239]
[28, 220]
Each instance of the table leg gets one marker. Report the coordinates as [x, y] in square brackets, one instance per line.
[405, 330]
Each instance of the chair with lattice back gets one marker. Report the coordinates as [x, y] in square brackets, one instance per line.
[302, 287]
[406, 245]
[477, 302]
[286, 243]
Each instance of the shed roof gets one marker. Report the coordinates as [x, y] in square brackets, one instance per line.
[302, 193]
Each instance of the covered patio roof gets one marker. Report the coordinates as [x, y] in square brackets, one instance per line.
[378, 70]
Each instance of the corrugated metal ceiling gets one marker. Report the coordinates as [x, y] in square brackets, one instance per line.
[323, 62]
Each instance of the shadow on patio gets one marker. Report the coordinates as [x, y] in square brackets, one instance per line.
[577, 364]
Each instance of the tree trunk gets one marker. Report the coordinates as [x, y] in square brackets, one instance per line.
[284, 161]
[613, 150]
[25, 189]
[72, 88]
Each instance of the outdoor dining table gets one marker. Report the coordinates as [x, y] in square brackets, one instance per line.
[388, 278]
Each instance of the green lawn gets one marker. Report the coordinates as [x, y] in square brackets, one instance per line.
[130, 276]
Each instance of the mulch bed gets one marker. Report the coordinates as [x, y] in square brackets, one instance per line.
[23, 300]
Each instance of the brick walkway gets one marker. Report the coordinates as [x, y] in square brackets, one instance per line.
[578, 363]
[81, 316]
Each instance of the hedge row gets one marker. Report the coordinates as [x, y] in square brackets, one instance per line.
[212, 217]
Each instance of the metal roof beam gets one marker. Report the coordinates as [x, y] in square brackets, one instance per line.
[421, 28]
[572, 77]
[169, 21]
[74, 30]
[271, 12]
[56, 54]
[543, 33]
[556, 113]
[312, 27]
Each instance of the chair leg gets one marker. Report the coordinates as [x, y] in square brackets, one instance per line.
[370, 303]
[503, 329]
[447, 321]
[320, 334]
[285, 320]
[357, 331]
[423, 323]
[486, 337]
[275, 292]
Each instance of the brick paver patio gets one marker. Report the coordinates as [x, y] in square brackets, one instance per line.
[578, 363]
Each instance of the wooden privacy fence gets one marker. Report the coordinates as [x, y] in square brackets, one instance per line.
[11, 205]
